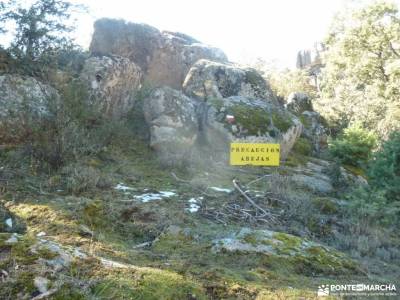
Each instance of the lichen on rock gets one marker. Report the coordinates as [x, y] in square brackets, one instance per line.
[112, 82]
[305, 256]
[207, 79]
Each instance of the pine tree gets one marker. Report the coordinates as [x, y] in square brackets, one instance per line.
[39, 28]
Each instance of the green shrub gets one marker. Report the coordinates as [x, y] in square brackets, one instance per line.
[76, 128]
[335, 173]
[384, 169]
[79, 179]
[354, 146]
[372, 205]
[64, 135]
[303, 147]
[379, 203]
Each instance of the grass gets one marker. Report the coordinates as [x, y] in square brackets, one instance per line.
[177, 265]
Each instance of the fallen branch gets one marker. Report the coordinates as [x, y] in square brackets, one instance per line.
[145, 244]
[237, 187]
[258, 179]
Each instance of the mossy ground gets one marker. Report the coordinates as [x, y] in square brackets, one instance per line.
[177, 265]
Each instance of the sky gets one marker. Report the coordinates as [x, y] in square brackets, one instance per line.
[274, 30]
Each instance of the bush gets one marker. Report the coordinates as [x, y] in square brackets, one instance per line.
[384, 168]
[334, 171]
[354, 146]
[64, 135]
[75, 128]
[372, 205]
[303, 147]
[80, 179]
[287, 81]
[380, 201]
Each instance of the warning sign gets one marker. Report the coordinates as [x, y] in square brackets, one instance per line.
[254, 154]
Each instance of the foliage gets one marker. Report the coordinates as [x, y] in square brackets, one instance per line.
[384, 169]
[354, 146]
[372, 205]
[360, 82]
[380, 201]
[38, 28]
[3, 8]
[302, 146]
[74, 129]
[285, 82]
[41, 33]
[334, 171]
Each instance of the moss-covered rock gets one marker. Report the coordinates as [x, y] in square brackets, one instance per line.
[300, 255]
[254, 121]
[245, 119]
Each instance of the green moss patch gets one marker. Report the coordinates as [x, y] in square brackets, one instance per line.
[305, 121]
[281, 122]
[302, 147]
[255, 120]
[288, 240]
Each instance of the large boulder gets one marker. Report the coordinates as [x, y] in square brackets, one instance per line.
[171, 117]
[209, 79]
[204, 125]
[240, 106]
[112, 82]
[254, 120]
[23, 98]
[164, 57]
[23, 94]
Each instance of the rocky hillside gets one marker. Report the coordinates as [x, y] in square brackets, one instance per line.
[115, 182]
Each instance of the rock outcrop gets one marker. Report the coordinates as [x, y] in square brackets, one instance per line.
[281, 246]
[173, 124]
[209, 79]
[224, 103]
[314, 176]
[240, 105]
[23, 98]
[314, 130]
[221, 102]
[23, 94]
[112, 82]
[164, 57]
[255, 120]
